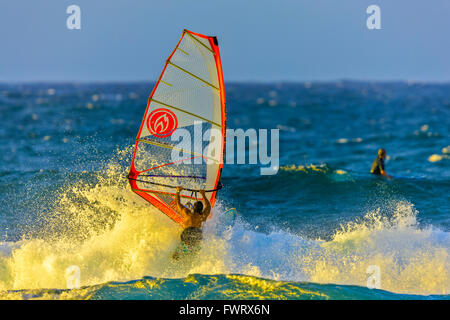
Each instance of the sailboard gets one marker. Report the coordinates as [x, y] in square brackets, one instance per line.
[187, 104]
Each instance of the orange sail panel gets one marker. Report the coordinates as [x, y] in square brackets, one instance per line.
[181, 140]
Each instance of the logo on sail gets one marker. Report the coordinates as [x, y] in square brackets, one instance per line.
[162, 122]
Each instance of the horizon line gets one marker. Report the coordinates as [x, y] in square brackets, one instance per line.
[342, 80]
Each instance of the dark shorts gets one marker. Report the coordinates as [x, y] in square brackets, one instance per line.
[191, 236]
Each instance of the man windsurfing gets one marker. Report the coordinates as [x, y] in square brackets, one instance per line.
[192, 221]
[378, 164]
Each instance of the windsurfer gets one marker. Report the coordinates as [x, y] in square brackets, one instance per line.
[192, 221]
[378, 164]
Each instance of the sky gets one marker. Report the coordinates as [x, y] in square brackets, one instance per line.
[260, 40]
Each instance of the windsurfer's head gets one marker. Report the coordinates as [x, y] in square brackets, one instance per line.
[381, 153]
[198, 207]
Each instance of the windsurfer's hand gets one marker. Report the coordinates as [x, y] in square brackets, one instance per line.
[202, 192]
[179, 189]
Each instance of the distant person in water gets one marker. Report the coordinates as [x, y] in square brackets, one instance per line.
[193, 221]
[378, 164]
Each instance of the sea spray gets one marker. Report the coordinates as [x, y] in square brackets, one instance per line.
[110, 233]
[411, 259]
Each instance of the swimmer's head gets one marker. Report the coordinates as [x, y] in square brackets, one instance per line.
[381, 153]
[198, 207]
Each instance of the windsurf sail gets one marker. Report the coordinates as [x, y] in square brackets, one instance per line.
[181, 139]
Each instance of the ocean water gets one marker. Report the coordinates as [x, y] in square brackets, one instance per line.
[311, 231]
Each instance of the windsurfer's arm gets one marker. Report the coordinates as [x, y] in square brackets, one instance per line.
[383, 172]
[207, 209]
[181, 209]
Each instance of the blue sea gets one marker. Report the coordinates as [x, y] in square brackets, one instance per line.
[316, 230]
